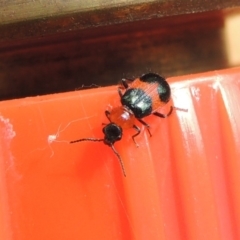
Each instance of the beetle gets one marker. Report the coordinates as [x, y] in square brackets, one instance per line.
[140, 97]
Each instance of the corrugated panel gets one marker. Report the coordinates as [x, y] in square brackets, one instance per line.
[182, 183]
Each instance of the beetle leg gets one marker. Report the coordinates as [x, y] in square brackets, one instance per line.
[164, 115]
[125, 82]
[124, 85]
[120, 92]
[146, 125]
[107, 113]
[138, 132]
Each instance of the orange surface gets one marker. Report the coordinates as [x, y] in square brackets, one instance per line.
[182, 183]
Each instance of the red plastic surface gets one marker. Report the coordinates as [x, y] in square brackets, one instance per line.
[182, 183]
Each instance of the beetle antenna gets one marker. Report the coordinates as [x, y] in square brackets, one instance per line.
[119, 158]
[111, 145]
[87, 139]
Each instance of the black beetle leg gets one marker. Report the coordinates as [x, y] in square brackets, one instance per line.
[107, 113]
[164, 115]
[124, 85]
[138, 132]
[125, 82]
[120, 92]
[146, 125]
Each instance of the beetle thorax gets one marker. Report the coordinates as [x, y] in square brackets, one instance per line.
[122, 116]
